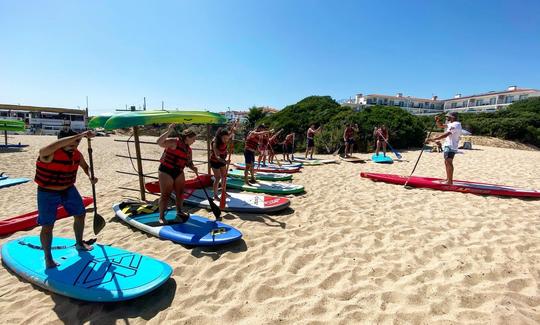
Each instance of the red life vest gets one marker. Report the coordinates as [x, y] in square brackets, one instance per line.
[263, 144]
[310, 134]
[289, 139]
[60, 172]
[222, 152]
[349, 132]
[178, 157]
[252, 141]
[273, 141]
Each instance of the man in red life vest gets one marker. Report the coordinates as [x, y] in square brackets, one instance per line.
[56, 172]
[348, 137]
[251, 146]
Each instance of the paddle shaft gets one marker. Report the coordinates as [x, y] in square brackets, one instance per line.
[213, 206]
[99, 222]
[398, 155]
[419, 156]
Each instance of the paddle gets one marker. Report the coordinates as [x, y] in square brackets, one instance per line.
[419, 156]
[99, 222]
[398, 155]
[215, 209]
[293, 141]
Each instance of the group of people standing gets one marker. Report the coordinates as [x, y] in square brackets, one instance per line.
[58, 163]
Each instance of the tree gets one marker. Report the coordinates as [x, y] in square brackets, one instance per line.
[254, 115]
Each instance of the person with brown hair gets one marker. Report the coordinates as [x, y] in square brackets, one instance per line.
[175, 158]
[218, 157]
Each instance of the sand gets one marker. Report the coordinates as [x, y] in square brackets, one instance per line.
[348, 251]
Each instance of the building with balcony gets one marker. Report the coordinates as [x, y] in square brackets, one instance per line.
[484, 102]
[46, 120]
[488, 102]
[414, 105]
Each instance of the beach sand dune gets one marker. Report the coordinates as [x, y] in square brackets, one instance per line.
[348, 251]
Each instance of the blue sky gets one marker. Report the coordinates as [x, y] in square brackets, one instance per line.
[218, 54]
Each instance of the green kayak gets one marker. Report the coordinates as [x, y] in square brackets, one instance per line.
[129, 119]
[273, 177]
[265, 187]
[12, 125]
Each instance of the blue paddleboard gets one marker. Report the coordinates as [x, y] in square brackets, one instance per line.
[197, 231]
[381, 159]
[104, 274]
[12, 181]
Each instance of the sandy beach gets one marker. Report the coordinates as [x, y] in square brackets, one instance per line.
[348, 251]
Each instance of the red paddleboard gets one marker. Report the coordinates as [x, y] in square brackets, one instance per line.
[29, 220]
[235, 202]
[457, 186]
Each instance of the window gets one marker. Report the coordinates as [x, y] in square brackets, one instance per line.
[464, 103]
[453, 105]
[509, 99]
[380, 102]
[421, 105]
[391, 103]
[401, 104]
[492, 101]
[479, 102]
[521, 97]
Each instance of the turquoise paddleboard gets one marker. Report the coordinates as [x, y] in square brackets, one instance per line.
[104, 274]
[381, 159]
[262, 175]
[6, 182]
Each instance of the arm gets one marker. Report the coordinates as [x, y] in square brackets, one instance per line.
[190, 164]
[164, 141]
[345, 135]
[45, 153]
[84, 166]
[438, 122]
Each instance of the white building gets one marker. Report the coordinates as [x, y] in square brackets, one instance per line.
[45, 120]
[235, 115]
[417, 106]
[485, 102]
[488, 102]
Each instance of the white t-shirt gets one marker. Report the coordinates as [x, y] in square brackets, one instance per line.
[452, 140]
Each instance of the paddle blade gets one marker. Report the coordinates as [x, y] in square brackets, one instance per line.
[215, 209]
[99, 223]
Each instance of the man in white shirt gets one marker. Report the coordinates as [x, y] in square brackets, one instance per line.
[451, 135]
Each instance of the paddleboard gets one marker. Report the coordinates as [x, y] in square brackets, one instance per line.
[29, 220]
[104, 274]
[265, 187]
[381, 159]
[353, 160]
[130, 119]
[288, 170]
[457, 186]
[197, 231]
[315, 161]
[13, 146]
[235, 202]
[261, 175]
[6, 182]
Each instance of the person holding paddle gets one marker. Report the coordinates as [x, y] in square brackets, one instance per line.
[272, 142]
[263, 149]
[381, 134]
[218, 157]
[252, 143]
[56, 173]
[311, 140]
[451, 136]
[348, 138]
[175, 158]
[288, 147]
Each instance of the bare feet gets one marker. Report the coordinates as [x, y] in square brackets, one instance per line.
[50, 264]
[84, 246]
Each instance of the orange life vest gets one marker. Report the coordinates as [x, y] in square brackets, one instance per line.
[252, 141]
[60, 172]
[178, 157]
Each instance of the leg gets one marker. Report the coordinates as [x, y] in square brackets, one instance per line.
[46, 239]
[179, 183]
[223, 171]
[449, 164]
[378, 147]
[166, 185]
[78, 228]
[217, 178]
[384, 148]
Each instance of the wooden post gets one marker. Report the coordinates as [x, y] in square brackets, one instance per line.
[139, 161]
[5, 136]
[208, 146]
